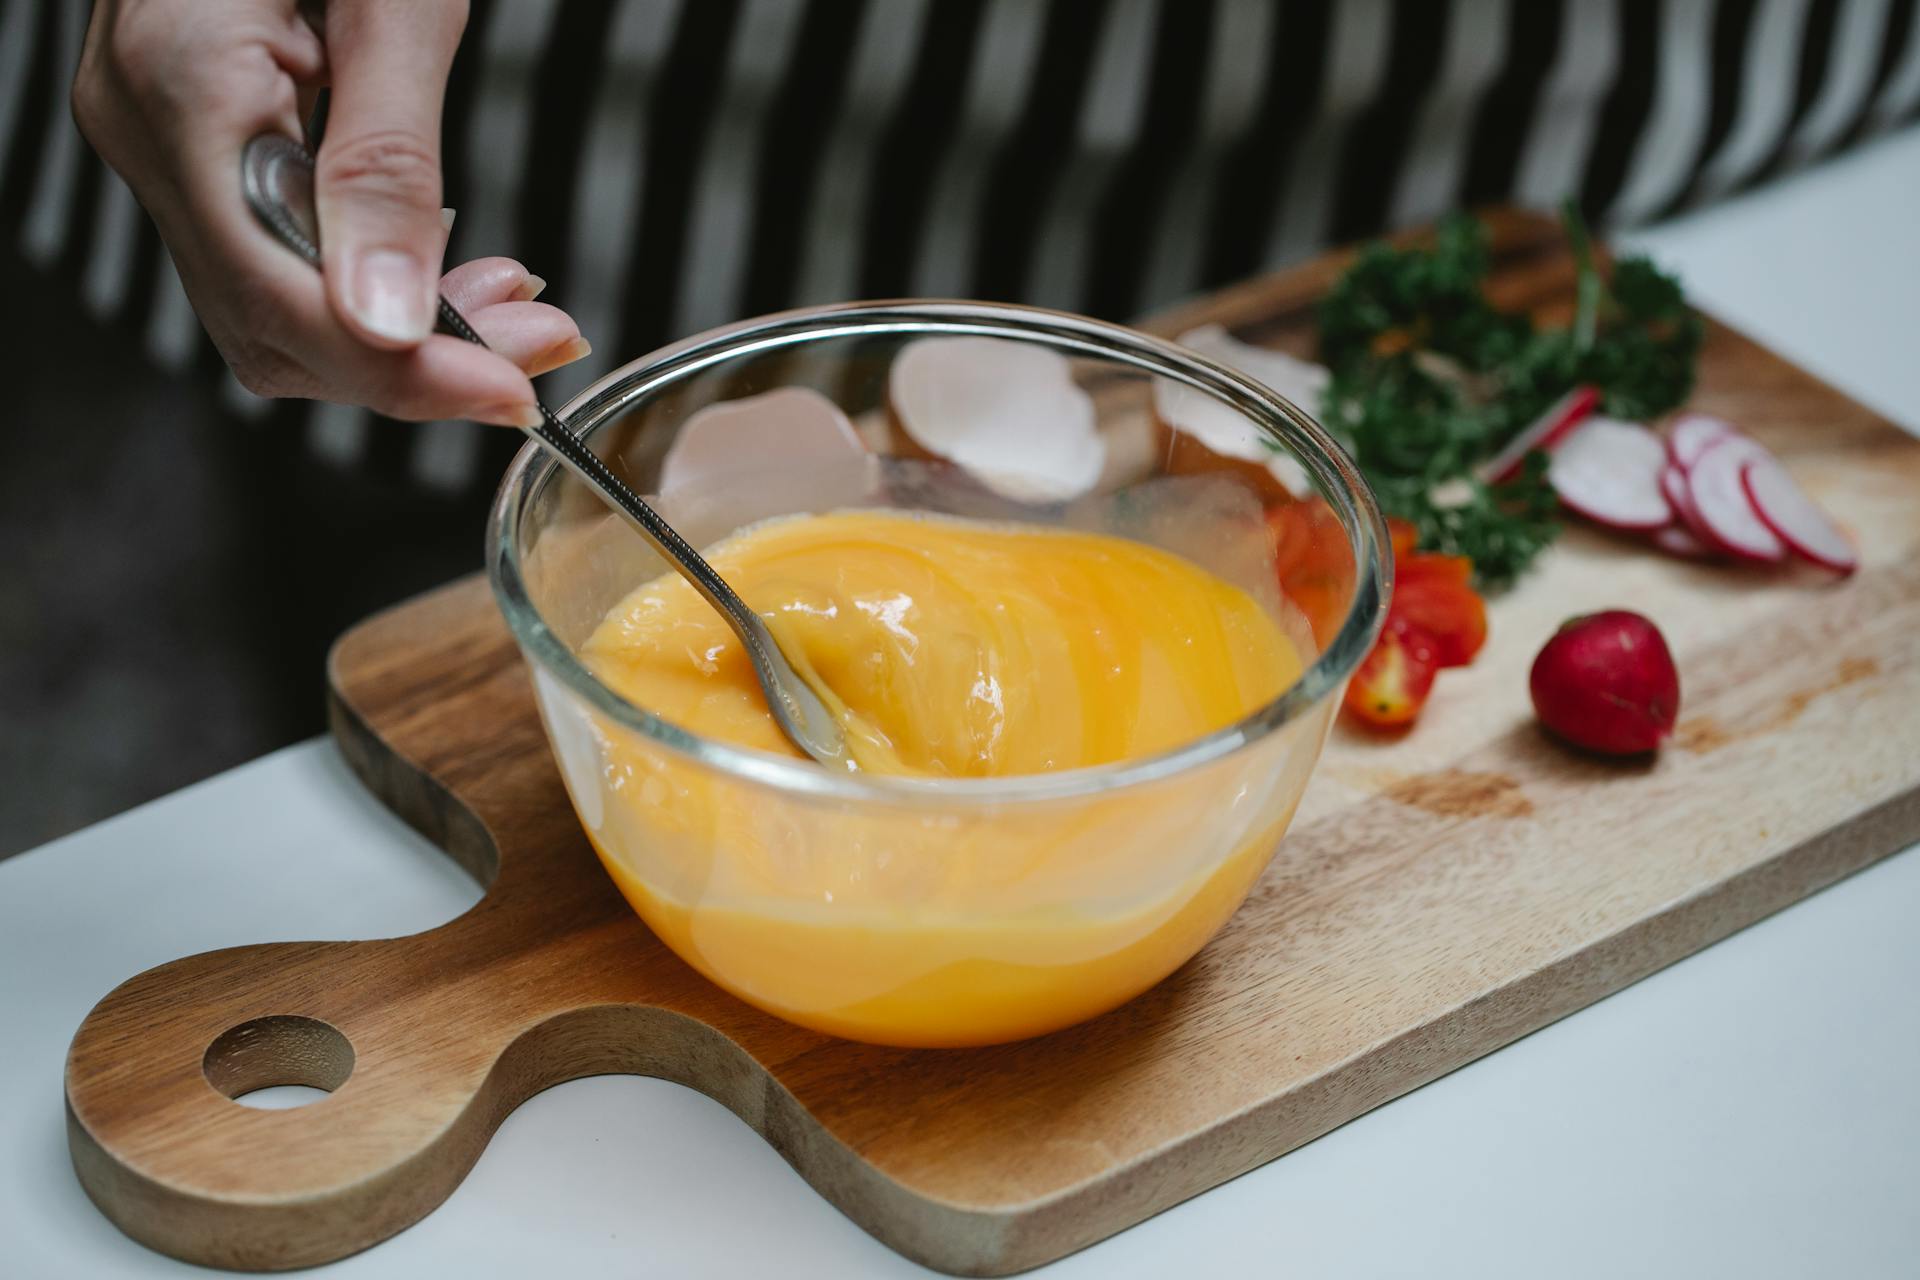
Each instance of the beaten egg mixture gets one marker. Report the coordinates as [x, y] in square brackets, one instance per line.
[951, 649]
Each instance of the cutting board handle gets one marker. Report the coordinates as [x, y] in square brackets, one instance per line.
[425, 1044]
[163, 1148]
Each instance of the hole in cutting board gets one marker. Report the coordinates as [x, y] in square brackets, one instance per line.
[259, 1059]
[280, 1097]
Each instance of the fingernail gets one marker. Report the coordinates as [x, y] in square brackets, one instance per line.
[521, 414]
[446, 218]
[566, 353]
[389, 296]
[530, 288]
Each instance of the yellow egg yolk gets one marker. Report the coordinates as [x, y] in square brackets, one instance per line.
[954, 650]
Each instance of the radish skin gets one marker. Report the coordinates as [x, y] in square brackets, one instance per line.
[1719, 497]
[1692, 434]
[1673, 483]
[1607, 682]
[1544, 433]
[1796, 518]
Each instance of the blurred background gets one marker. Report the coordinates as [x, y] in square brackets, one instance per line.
[181, 554]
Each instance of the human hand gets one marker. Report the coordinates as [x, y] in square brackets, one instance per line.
[169, 92]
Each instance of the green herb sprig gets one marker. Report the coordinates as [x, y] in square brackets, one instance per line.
[1429, 379]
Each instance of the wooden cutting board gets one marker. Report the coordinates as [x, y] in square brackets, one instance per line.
[1437, 898]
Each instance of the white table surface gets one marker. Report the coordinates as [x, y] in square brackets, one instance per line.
[1753, 1110]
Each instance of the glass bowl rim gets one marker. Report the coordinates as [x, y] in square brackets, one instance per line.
[1337, 478]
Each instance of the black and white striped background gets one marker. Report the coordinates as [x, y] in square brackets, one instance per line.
[672, 164]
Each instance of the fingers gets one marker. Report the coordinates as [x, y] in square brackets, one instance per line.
[292, 344]
[497, 294]
[378, 177]
[485, 281]
[171, 90]
[166, 91]
[533, 335]
[301, 49]
[446, 377]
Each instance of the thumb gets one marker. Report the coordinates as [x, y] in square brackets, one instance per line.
[378, 175]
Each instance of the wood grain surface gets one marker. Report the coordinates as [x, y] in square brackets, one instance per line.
[1438, 897]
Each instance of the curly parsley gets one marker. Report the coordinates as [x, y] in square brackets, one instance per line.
[1429, 379]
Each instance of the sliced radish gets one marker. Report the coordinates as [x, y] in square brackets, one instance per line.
[1786, 509]
[1677, 540]
[1223, 430]
[779, 430]
[1673, 487]
[1007, 412]
[1544, 432]
[1693, 433]
[1673, 483]
[1720, 500]
[1609, 472]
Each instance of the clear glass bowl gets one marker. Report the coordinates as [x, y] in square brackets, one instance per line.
[940, 912]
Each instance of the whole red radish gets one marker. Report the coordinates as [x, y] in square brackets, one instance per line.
[1606, 682]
